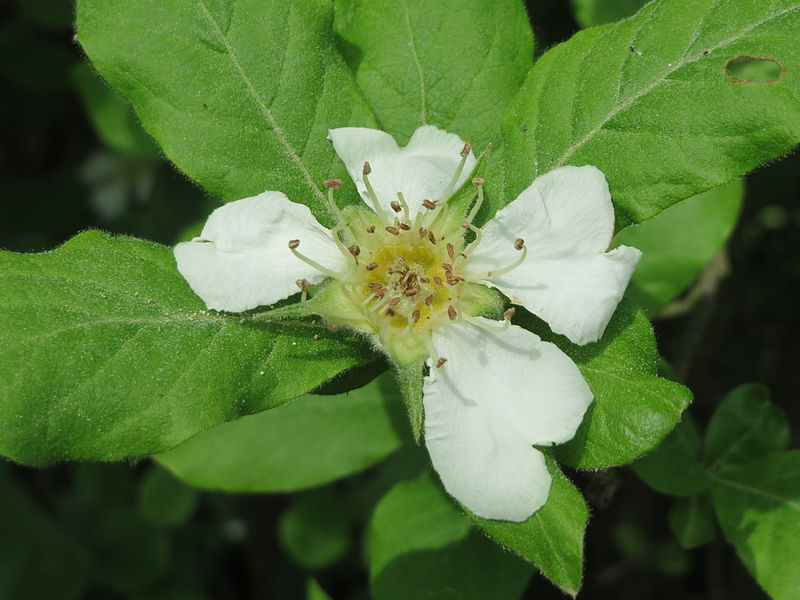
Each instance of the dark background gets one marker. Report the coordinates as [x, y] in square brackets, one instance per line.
[71, 524]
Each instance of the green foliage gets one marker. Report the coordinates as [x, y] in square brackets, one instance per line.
[307, 442]
[552, 539]
[633, 409]
[420, 545]
[692, 520]
[113, 355]
[455, 64]
[745, 426]
[165, 500]
[315, 529]
[758, 507]
[597, 12]
[315, 592]
[240, 96]
[678, 242]
[674, 467]
[647, 101]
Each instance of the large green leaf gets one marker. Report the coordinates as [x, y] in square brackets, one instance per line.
[456, 64]
[678, 243]
[307, 442]
[598, 12]
[649, 101]
[758, 507]
[745, 426]
[240, 94]
[692, 520]
[420, 545]
[109, 354]
[633, 408]
[552, 539]
[674, 467]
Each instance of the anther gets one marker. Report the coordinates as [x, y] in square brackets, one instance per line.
[354, 250]
[451, 312]
[411, 292]
[509, 314]
[423, 279]
[431, 238]
[393, 230]
[395, 301]
[395, 206]
[371, 266]
[519, 243]
[429, 300]
[376, 206]
[333, 184]
[293, 244]
[429, 205]
[450, 250]
[464, 224]
[422, 232]
[367, 169]
[466, 149]
[405, 226]
[478, 181]
[447, 267]
[371, 229]
[389, 312]
[415, 316]
[303, 284]
[440, 362]
[437, 280]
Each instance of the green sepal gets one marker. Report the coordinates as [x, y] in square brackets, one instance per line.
[409, 377]
[482, 301]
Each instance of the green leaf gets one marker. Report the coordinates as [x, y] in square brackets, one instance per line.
[112, 117]
[315, 529]
[745, 426]
[307, 442]
[165, 500]
[113, 356]
[692, 520]
[674, 467]
[647, 100]
[315, 592]
[418, 542]
[240, 95]
[633, 409]
[552, 539]
[409, 378]
[758, 507]
[455, 64]
[678, 243]
[38, 560]
[597, 12]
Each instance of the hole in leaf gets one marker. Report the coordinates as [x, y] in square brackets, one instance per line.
[754, 69]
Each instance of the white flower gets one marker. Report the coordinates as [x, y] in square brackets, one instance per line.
[404, 273]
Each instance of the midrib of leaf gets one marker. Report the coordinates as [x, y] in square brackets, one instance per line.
[288, 149]
[649, 88]
[757, 492]
[644, 389]
[423, 116]
[562, 567]
[745, 434]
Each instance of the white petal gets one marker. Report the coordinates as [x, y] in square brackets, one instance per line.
[497, 395]
[567, 221]
[422, 170]
[242, 260]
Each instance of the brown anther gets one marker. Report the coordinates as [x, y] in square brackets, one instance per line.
[333, 184]
[422, 232]
[466, 149]
[431, 237]
[303, 284]
[429, 300]
[509, 313]
[519, 243]
[437, 280]
[447, 267]
[395, 206]
[428, 204]
[395, 301]
[389, 312]
[375, 287]
[451, 251]
[405, 226]
[411, 292]
[440, 362]
[354, 250]
[371, 266]
[451, 312]
[478, 181]
[423, 279]
[371, 229]
[367, 169]
[464, 225]
[393, 230]
[293, 244]
[415, 316]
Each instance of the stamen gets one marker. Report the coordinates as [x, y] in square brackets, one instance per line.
[422, 232]
[429, 205]
[431, 350]
[476, 242]
[404, 204]
[371, 192]
[510, 267]
[431, 238]
[405, 226]
[371, 266]
[478, 181]
[450, 250]
[452, 313]
[293, 244]
[393, 230]
[519, 243]
[440, 363]
[411, 292]
[303, 284]
[437, 280]
[485, 326]
[465, 151]
[355, 251]
[371, 229]
[415, 317]
[509, 314]
[429, 300]
[395, 206]
[334, 184]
